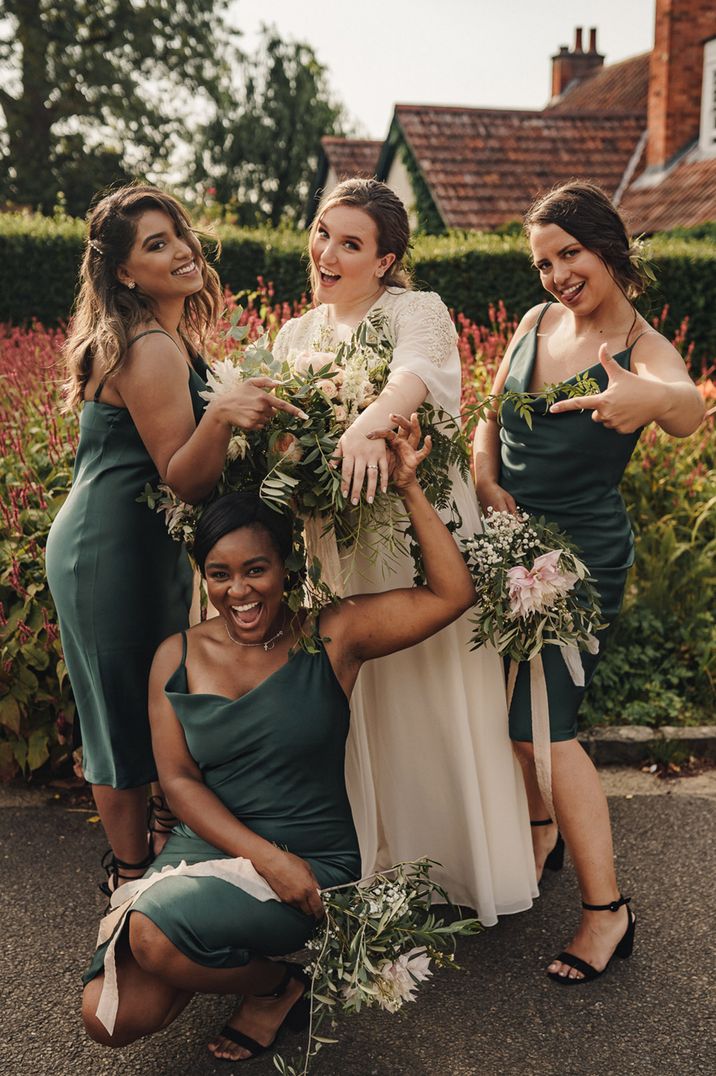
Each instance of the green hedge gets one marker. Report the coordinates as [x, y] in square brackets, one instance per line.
[39, 258]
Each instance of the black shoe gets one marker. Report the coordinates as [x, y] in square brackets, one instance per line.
[160, 818]
[296, 1019]
[555, 859]
[114, 868]
[623, 949]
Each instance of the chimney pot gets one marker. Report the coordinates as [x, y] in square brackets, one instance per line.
[593, 39]
[578, 39]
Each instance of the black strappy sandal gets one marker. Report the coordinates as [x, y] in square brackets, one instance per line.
[623, 949]
[114, 868]
[296, 1019]
[160, 819]
[555, 859]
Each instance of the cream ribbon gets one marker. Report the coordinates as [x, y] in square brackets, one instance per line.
[321, 542]
[239, 872]
[541, 740]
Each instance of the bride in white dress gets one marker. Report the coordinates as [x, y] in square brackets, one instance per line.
[429, 767]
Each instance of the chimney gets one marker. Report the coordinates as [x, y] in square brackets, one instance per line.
[575, 66]
[675, 75]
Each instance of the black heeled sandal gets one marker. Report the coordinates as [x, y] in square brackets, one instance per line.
[623, 950]
[555, 859]
[296, 1019]
[114, 868]
[160, 818]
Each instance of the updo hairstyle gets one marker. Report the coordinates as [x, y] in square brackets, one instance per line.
[391, 222]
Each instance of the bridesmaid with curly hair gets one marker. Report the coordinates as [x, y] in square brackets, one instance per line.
[147, 302]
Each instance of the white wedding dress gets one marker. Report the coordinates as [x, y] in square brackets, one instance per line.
[429, 766]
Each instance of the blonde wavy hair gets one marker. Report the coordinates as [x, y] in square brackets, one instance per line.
[107, 313]
[391, 221]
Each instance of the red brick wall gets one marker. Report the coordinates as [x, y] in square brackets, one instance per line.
[676, 68]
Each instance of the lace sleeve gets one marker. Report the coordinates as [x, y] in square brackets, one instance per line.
[282, 344]
[426, 345]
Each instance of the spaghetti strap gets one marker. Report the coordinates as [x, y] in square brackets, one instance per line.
[183, 648]
[103, 380]
[542, 313]
[147, 332]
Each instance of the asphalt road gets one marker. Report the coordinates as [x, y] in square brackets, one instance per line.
[654, 1014]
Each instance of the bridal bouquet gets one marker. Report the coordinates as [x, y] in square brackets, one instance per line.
[378, 941]
[532, 588]
[288, 462]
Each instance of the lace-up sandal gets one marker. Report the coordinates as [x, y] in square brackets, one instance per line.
[160, 819]
[623, 949]
[296, 1019]
[114, 868]
[555, 859]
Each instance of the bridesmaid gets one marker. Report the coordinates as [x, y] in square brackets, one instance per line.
[250, 734]
[568, 468]
[147, 301]
[430, 768]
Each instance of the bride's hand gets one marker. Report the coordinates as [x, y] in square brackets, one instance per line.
[361, 457]
[404, 453]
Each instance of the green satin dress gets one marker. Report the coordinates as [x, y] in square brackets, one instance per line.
[567, 468]
[120, 585]
[275, 759]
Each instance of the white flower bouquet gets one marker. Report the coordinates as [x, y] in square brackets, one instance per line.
[532, 588]
[288, 462]
[376, 946]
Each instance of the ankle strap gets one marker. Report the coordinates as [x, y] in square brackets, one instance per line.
[291, 971]
[613, 907]
[542, 822]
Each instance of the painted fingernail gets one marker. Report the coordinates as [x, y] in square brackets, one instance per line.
[370, 500]
[354, 501]
[344, 492]
[304, 416]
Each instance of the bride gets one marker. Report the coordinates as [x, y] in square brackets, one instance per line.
[429, 766]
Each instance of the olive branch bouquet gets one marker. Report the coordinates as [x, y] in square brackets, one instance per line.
[375, 946]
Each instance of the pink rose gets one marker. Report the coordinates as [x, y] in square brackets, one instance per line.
[287, 447]
[328, 388]
[310, 362]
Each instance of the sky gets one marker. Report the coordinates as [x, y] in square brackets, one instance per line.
[451, 52]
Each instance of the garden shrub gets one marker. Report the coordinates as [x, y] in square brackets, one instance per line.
[39, 258]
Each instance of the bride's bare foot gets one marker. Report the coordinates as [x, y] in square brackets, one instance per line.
[597, 937]
[260, 1019]
[544, 840]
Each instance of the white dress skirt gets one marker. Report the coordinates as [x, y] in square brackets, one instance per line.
[429, 767]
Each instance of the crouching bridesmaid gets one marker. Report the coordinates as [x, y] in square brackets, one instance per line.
[249, 733]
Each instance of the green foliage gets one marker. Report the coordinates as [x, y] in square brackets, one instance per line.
[696, 231]
[122, 73]
[260, 151]
[472, 273]
[659, 667]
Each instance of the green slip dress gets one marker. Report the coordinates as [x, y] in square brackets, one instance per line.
[567, 468]
[120, 585]
[275, 759]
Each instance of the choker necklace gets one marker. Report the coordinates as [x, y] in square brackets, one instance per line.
[269, 644]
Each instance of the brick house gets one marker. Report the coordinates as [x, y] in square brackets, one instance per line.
[643, 128]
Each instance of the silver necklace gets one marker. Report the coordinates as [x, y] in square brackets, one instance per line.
[269, 644]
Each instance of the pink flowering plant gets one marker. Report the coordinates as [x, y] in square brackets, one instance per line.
[379, 941]
[532, 588]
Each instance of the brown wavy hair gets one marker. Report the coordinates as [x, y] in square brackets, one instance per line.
[391, 221]
[585, 211]
[107, 313]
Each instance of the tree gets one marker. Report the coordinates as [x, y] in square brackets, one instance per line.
[113, 77]
[260, 151]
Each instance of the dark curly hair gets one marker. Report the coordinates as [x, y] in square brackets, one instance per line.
[237, 510]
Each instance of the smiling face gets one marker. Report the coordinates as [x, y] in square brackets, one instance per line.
[347, 267]
[164, 262]
[573, 274]
[245, 583]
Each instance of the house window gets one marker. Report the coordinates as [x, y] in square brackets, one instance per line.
[707, 141]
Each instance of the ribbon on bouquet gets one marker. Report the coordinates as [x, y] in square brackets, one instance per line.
[321, 543]
[541, 740]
